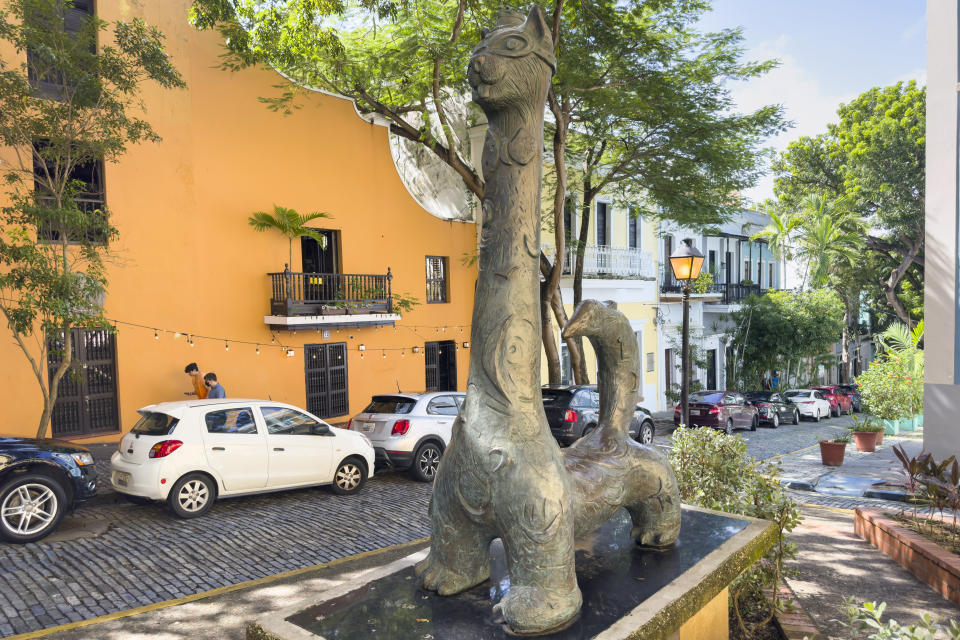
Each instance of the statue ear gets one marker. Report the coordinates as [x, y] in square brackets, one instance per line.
[536, 24]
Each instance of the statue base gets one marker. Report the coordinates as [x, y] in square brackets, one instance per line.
[628, 592]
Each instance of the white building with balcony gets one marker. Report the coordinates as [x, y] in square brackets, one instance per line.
[740, 267]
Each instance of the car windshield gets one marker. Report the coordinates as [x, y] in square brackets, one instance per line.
[553, 397]
[711, 397]
[153, 423]
[390, 404]
[758, 395]
[797, 394]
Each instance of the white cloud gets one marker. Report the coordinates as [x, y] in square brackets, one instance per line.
[799, 91]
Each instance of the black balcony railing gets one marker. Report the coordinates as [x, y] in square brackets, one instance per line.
[730, 293]
[313, 294]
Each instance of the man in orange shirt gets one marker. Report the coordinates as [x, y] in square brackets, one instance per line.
[196, 378]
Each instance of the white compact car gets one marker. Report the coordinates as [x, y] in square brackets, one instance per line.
[410, 430]
[810, 403]
[189, 453]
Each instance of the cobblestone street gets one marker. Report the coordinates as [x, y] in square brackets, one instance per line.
[147, 555]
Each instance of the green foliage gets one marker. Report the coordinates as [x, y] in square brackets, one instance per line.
[865, 621]
[713, 471]
[872, 161]
[703, 282]
[291, 224]
[892, 386]
[865, 424]
[777, 330]
[404, 302]
[83, 107]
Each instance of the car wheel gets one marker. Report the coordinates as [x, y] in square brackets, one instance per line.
[192, 495]
[645, 436]
[425, 462]
[776, 419]
[796, 416]
[754, 423]
[31, 507]
[349, 477]
[816, 418]
[728, 428]
[835, 414]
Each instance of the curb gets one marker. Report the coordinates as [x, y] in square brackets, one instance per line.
[795, 624]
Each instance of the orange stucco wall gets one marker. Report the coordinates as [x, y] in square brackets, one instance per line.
[186, 259]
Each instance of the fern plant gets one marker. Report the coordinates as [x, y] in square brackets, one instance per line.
[291, 224]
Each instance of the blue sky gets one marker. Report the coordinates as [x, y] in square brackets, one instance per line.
[830, 52]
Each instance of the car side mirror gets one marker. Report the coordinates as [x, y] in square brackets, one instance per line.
[320, 430]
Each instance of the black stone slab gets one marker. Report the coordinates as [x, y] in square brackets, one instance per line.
[615, 576]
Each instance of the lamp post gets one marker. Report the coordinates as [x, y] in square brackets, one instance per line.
[686, 263]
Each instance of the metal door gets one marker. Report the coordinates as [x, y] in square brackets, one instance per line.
[440, 362]
[87, 394]
[325, 370]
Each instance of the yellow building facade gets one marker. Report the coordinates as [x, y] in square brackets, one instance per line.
[188, 277]
[620, 264]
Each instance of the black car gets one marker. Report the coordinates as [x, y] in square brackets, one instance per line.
[573, 411]
[773, 408]
[40, 480]
[853, 392]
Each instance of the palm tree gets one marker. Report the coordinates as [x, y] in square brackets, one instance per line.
[830, 236]
[778, 234]
[289, 223]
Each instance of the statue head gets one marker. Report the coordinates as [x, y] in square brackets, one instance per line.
[588, 319]
[514, 62]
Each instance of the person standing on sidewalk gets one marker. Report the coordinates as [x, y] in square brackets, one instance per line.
[197, 379]
[214, 388]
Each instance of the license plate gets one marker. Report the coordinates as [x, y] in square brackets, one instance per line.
[699, 412]
[121, 478]
[366, 427]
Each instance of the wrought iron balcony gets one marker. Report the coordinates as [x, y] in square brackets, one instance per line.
[729, 293]
[318, 294]
[610, 262]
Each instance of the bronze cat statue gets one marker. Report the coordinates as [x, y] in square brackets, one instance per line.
[502, 475]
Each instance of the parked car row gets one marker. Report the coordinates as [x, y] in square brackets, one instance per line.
[730, 410]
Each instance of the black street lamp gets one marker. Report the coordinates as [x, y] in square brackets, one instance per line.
[686, 263]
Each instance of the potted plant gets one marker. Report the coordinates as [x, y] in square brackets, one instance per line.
[866, 425]
[865, 437]
[831, 451]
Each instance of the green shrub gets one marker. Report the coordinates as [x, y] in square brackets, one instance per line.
[888, 389]
[864, 621]
[714, 471]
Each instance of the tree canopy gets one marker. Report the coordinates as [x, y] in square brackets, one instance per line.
[872, 160]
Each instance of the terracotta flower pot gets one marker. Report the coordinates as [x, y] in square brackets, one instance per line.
[866, 440]
[879, 438]
[831, 453]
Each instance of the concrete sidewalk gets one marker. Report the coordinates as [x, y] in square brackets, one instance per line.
[834, 564]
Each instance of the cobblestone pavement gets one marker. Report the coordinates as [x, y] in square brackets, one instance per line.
[147, 555]
[766, 442]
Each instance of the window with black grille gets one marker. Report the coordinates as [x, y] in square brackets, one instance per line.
[436, 279]
[325, 370]
[45, 70]
[88, 221]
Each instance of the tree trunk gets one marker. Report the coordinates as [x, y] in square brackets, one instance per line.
[549, 344]
[889, 287]
[582, 239]
[845, 342]
[50, 393]
[560, 315]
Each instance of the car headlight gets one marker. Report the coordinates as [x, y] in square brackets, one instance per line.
[82, 459]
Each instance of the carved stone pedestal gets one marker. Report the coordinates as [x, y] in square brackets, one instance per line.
[628, 593]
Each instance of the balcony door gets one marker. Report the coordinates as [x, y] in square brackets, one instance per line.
[320, 261]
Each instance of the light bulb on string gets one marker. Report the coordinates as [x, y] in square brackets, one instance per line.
[226, 346]
[156, 336]
[258, 349]
[444, 329]
[384, 353]
[176, 335]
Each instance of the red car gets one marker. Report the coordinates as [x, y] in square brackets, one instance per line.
[727, 410]
[839, 401]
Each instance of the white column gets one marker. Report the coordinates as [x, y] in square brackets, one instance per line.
[941, 431]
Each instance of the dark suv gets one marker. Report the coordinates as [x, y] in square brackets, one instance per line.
[573, 412]
[40, 480]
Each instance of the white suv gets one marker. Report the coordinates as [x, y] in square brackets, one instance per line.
[410, 430]
[189, 453]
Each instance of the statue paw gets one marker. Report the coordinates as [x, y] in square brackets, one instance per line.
[532, 610]
[436, 576]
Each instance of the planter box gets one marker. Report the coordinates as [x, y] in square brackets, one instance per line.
[918, 419]
[831, 453]
[891, 427]
[866, 441]
[928, 561]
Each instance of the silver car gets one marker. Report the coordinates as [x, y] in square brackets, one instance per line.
[410, 430]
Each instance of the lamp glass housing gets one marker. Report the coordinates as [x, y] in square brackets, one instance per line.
[686, 262]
